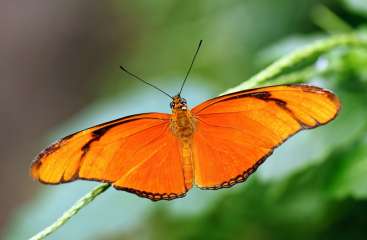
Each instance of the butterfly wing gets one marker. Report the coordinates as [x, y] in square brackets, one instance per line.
[235, 133]
[137, 154]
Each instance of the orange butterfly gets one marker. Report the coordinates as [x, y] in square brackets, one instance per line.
[215, 145]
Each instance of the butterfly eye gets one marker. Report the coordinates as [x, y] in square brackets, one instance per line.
[171, 105]
[183, 101]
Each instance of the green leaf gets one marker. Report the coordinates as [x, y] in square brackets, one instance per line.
[351, 176]
[356, 6]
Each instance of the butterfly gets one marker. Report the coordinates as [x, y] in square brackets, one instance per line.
[214, 145]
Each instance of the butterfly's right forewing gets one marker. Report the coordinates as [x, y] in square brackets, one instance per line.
[235, 133]
[138, 154]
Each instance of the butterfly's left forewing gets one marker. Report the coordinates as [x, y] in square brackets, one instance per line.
[138, 154]
[235, 133]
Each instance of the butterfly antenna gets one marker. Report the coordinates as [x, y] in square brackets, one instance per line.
[192, 63]
[140, 79]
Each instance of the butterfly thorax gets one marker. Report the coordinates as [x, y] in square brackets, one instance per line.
[182, 122]
[183, 126]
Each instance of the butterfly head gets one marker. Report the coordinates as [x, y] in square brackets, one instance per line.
[178, 103]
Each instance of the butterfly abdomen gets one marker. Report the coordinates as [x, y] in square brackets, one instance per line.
[187, 165]
[183, 127]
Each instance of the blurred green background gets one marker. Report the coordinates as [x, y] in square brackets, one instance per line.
[60, 73]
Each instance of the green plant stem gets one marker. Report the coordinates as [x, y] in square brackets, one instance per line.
[327, 20]
[72, 211]
[274, 70]
[311, 51]
[300, 76]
